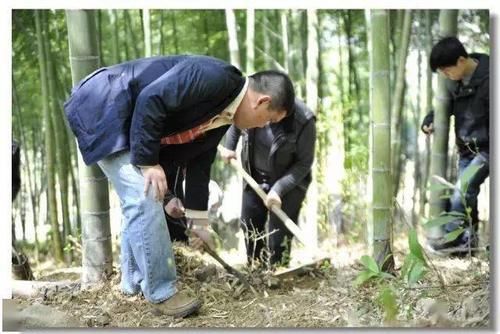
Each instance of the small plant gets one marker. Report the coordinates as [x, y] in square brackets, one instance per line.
[447, 217]
[371, 271]
[414, 266]
[387, 300]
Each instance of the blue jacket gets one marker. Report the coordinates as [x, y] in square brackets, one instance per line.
[134, 104]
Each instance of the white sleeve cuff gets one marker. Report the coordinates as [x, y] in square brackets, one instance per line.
[196, 214]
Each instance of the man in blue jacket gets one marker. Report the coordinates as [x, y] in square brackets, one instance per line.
[279, 157]
[125, 115]
[468, 90]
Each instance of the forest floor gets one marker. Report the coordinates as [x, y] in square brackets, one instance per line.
[324, 296]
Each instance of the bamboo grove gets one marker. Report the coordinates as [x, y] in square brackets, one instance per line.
[352, 67]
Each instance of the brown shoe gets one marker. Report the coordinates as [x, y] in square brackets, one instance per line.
[179, 305]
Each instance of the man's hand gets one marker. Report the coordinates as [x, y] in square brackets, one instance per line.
[428, 123]
[155, 176]
[201, 233]
[174, 208]
[273, 199]
[428, 129]
[227, 154]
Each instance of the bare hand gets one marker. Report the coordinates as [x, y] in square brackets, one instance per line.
[428, 129]
[273, 199]
[201, 234]
[155, 176]
[227, 154]
[174, 208]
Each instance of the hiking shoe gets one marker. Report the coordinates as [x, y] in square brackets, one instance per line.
[459, 247]
[179, 305]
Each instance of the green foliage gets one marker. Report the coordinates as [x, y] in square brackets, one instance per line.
[387, 300]
[414, 266]
[453, 235]
[371, 271]
[443, 219]
[462, 187]
[467, 176]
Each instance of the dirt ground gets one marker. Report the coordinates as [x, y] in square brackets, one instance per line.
[323, 296]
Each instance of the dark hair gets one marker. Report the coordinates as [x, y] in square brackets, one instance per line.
[446, 53]
[276, 84]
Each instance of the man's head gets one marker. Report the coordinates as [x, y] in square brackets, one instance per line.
[270, 98]
[449, 57]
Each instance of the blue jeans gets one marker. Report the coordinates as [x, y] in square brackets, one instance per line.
[147, 261]
[456, 204]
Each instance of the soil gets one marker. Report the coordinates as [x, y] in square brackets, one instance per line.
[322, 296]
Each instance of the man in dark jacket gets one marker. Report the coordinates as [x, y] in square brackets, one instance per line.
[468, 89]
[124, 115]
[279, 157]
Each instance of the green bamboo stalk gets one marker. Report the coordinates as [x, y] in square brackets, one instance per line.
[439, 156]
[231, 26]
[398, 102]
[250, 41]
[60, 146]
[146, 19]
[97, 260]
[49, 144]
[381, 140]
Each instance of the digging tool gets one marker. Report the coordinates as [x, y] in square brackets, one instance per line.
[289, 224]
[226, 266]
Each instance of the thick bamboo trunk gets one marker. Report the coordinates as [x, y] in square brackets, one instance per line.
[428, 106]
[311, 222]
[113, 20]
[146, 19]
[381, 140]
[439, 156]
[250, 41]
[398, 101]
[284, 38]
[234, 50]
[97, 259]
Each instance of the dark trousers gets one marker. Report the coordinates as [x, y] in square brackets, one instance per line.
[254, 215]
[456, 200]
[177, 229]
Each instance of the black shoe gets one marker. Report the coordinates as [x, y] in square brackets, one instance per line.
[466, 243]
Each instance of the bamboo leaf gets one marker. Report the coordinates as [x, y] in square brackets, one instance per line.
[407, 264]
[438, 187]
[387, 300]
[453, 235]
[467, 176]
[363, 277]
[415, 247]
[416, 272]
[443, 182]
[370, 263]
[456, 214]
[441, 220]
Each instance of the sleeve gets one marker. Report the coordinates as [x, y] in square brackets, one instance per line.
[428, 119]
[232, 138]
[181, 87]
[302, 167]
[197, 181]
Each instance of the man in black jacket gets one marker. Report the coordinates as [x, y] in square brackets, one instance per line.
[279, 157]
[468, 89]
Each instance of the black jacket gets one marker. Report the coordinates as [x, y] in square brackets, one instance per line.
[292, 150]
[470, 104]
[197, 157]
